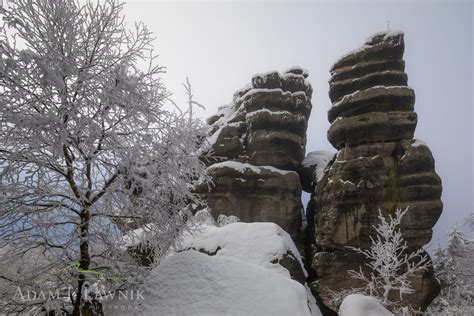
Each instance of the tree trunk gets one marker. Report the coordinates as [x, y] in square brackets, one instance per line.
[84, 261]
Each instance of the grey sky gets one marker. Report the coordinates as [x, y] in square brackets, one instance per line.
[220, 45]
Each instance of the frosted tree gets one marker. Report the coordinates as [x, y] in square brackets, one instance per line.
[456, 243]
[470, 221]
[88, 153]
[453, 268]
[191, 102]
[389, 265]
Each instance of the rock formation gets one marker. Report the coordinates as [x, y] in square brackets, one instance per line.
[258, 170]
[258, 142]
[378, 166]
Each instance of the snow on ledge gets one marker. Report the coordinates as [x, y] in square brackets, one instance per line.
[418, 143]
[318, 159]
[361, 305]
[401, 90]
[386, 35]
[257, 243]
[245, 167]
[304, 71]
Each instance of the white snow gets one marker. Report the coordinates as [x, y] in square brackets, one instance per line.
[245, 167]
[290, 75]
[387, 34]
[344, 182]
[299, 93]
[363, 47]
[260, 90]
[402, 90]
[301, 69]
[192, 283]
[353, 52]
[393, 33]
[418, 143]
[345, 98]
[267, 111]
[238, 280]
[224, 220]
[319, 159]
[361, 305]
[265, 74]
[257, 243]
[222, 107]
[203, 217]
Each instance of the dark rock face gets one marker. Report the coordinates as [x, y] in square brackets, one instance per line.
[312, 168]
[378, 166]
[254, 194]
[290, 263]
[265, 125]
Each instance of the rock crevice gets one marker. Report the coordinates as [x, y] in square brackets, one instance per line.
[258, 166]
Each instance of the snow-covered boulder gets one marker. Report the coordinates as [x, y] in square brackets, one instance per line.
[264, 244]
[361, 305]
[229, 270]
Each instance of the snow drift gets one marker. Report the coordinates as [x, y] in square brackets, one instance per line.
[228, 270]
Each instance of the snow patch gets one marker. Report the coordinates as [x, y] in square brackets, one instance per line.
[418, 143]
[268, 111]
[224, 220]
[237, 278]
[361, 305]
[192, 283]
[403, 90]
[303, 71]
[245, 167]
[257, 243]
[386, 35]
[319, 159]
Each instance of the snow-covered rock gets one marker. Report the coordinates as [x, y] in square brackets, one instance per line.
[312, 168]
[223, 220]
[361, 305]
[230, 270]
[266, 122]
[257, 142]
[263, 244]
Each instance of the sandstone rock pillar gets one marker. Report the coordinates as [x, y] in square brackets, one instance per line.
[378, 166]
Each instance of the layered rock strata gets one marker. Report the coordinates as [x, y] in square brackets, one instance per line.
[378, 166]
[258, 142]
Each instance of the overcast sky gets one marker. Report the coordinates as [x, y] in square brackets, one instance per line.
[220, 45]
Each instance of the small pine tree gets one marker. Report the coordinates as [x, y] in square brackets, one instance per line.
[456, 243]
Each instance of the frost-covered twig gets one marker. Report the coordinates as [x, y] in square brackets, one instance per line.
[390, 264]
[88, 152]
